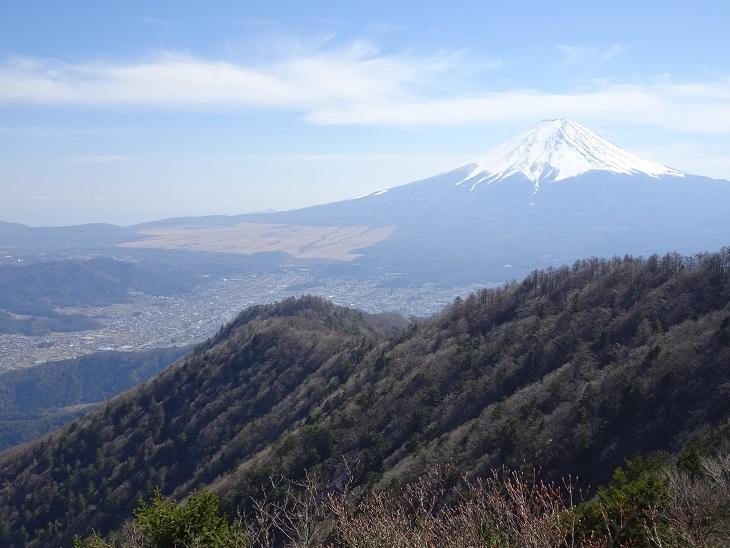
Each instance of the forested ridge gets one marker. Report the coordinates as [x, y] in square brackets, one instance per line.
[572, 370]
[36, 400]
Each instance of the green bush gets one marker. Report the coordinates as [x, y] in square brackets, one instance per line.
[167, 524]
[627, 507]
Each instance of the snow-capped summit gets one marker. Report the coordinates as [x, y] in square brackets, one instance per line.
[554, 150]
[592, 199]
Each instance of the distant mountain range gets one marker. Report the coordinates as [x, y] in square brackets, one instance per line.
[30, 295]
[554, 194]
[14, 236]
[572, 370]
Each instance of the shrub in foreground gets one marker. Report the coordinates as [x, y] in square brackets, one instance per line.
[648, 503]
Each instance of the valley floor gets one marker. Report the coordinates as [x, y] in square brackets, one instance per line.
[155, 322]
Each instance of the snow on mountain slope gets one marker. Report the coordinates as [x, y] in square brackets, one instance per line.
[594, 199]
[554, 150]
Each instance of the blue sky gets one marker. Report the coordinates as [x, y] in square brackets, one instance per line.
[130, 111]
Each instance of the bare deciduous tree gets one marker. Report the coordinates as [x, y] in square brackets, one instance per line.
[697, 513]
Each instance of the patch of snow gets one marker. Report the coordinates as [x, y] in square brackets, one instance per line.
[554, 150]
[377, 193]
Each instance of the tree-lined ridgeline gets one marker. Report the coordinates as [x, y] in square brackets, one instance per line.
[571, 371]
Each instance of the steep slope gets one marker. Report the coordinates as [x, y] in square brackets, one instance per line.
[554, 150]
[573, 369]
[231, 398]
[36, 400]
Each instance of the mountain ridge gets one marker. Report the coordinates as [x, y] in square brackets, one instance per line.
[611, 357]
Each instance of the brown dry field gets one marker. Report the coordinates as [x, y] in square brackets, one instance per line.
[304, 242]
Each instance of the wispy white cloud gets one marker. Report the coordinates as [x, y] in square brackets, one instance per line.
[65, 197]
[591, 54]
[99, 159]
[79, 134]
[358, 84]
[614, 51]
[387, 28]
[695, 108]
[357, 72]
[156, 21]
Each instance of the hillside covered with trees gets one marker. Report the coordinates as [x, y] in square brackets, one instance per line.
[36, 400]
[654, 501]
[572, 370]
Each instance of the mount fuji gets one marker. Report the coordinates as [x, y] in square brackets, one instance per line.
[556, 193]
[555, 150]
